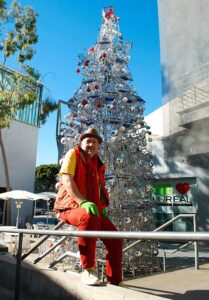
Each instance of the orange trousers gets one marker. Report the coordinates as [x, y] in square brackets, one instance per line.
[87, 246]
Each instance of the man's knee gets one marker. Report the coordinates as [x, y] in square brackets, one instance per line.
[90, 220]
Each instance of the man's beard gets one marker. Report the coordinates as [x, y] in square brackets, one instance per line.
[90, 151]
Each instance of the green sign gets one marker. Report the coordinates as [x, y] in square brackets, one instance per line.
[177, 193]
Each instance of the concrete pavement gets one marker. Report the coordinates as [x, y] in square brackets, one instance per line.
[184, 284]
[40, 283]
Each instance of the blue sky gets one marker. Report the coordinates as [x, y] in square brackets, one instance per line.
[68, 27]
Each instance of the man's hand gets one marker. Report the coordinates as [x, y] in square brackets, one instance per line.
[104, 212]
[90, 207]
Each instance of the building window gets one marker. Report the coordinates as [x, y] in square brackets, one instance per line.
[30, 113]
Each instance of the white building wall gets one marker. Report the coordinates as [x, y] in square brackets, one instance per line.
[20, 142]
[155, 121]
[184, 44]
[172, 168]
[184, 40]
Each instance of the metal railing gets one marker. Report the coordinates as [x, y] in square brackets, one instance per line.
[194, 88]
[72, 254]
[196, 248]
[41, 241]
[163, 226]
[158, 236]
[189, 79]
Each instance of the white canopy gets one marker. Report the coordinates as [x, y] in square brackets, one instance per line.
[23, 195]
[48, 194]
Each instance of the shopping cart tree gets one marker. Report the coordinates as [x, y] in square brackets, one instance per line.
[107, 100]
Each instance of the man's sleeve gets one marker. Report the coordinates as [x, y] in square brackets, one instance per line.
[69, 162]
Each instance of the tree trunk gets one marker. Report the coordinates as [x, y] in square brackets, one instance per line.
[6, 171]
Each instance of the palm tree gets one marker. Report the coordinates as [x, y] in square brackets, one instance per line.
[47, 107]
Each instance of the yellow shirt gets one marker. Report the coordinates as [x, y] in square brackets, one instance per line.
[69, 163]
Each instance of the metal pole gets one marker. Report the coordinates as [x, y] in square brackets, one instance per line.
[62, 256]
[17, 218]
[159, 228]
[135, 235]
[18, 206]
[18, 267]
[50, 249]
[164, 260]
[196, 245]
[44, 238]
[47, 220]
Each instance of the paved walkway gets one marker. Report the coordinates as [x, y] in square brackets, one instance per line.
[184, 284]
[181, 281]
